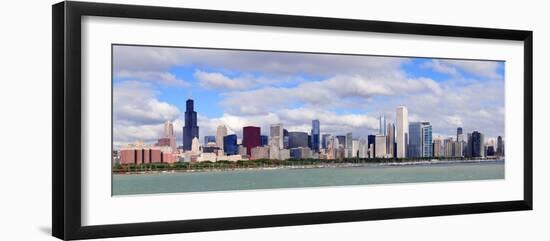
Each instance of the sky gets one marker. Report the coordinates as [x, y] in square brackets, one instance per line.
[347, 93]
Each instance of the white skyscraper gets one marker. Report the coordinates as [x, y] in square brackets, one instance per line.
[221, 131]
[169, 133]
[276, 135]
[448, 145]
[168, 129]
[349, 140]
[402, 131]
[438, 147]
[390, 139]
[363, 148]
[461, 143]
[195, 146]
[332, 148]
[382, 125]
[380, 146]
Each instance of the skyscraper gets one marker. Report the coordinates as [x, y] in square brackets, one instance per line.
[315, 135]
[297, 139]
[468, 147]
[332, 147]
[461, 143]
[190, 130]
[349, 140]
[420, 139]
[476, 145]
[195, 144]
[427, 147]
[478, 142]
[168, 129]
[380, 143]
[251, 138]
[438, 148]
[371, 145]
[274, 148]
[169, 133]
[230, 145]
[324, 140]
[390, 139]
[276, 134]
[285, 139]
[221, 131]
[448, 144]
[500, 146]
[382, 125]
[414, 148]
[341, 141]
[402, 131]
[363, 148]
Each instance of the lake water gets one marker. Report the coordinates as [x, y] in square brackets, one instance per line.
[292, 178]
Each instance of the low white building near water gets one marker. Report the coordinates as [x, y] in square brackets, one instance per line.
[207, 157]
[259, 152]
[232, 158]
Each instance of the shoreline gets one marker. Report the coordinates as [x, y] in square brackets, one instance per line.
[313, 166]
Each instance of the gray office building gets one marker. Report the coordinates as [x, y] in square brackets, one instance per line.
[297, 139]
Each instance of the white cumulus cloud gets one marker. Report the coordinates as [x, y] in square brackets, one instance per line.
[164, 78]
[137, 114]
[483, 69]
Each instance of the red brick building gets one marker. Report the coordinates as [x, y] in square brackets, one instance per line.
[251, 138]
[142, 155]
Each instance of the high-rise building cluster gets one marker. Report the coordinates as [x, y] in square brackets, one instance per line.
[403, 139]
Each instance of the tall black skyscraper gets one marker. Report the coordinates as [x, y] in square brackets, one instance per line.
[190, 130]
[458, 132]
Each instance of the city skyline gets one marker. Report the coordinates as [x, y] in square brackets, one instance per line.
[346, 93]
[413, 138]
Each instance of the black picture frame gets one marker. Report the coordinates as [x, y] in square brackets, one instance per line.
[66, 87]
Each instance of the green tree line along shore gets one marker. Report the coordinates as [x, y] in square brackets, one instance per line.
[265, 163]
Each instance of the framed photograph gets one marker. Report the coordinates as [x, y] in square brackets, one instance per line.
[171, 120]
